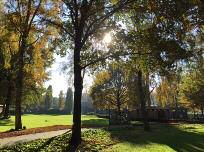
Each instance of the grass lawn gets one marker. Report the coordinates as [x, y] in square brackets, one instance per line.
[162, 138]
[33, 121]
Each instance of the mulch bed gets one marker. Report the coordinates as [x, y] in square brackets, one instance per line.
[33, 131]
[40, 130]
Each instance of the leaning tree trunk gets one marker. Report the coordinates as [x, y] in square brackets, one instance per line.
[78, 86]
[8, 100]
[143, 102]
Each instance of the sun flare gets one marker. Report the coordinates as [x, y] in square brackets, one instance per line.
[107, 38]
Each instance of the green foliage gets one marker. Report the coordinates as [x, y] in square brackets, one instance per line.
[69, 101]
[48, 97]
[167, 93]
[61, 100]
[102, 140]
[189, 137]
[192, 87]
[110, 88]
[34, 99]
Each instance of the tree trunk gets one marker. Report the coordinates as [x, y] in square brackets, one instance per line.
[78, 86]
[8, 100]
[194, 112]
[109, 116]
[119, 113]
[19, 86]
[3, 110]
[201, 108]
[147, 91]
[19, 91]
[142, 100]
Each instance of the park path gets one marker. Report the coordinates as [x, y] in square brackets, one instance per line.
[26, 138]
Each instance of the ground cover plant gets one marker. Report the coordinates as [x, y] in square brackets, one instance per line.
[163, 137]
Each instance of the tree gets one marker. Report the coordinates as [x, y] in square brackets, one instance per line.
[33, 99]
[61, 100]
[7, 64]
[84, 20]
[167, 91]
[154, 34]
[192, 89]
[192, 84]
[110, 89]
[48, 98]
[32, 46]
[86, 104]
[69, 101]
[55, 102]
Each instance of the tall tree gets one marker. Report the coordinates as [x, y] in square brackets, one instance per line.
[7, 63]
[192, 84]
[61, 100]
[157, 36]
[48, 98]
[69, 101]
[32, 46]
[110, 89]
[84, 20]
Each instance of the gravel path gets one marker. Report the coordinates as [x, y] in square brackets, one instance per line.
[26, 138]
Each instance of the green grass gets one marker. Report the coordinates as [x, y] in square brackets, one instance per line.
[33, 121]
[162, 138]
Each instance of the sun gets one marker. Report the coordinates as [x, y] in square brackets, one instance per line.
[107, 38]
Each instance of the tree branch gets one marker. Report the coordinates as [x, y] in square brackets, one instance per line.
[111, 56]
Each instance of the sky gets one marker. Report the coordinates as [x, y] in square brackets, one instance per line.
[59, 79]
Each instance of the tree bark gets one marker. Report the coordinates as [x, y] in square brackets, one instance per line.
[143, 102]
[8, 100]
[194, 112]
[109, 115]
[3, 110]
[19, 85]
[147, 91]
[78, 86]
[19, 91]
[119, 112]
[201, 108]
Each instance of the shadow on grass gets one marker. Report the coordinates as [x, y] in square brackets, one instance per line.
[48, 142]
[186, 139]
[95, 122]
